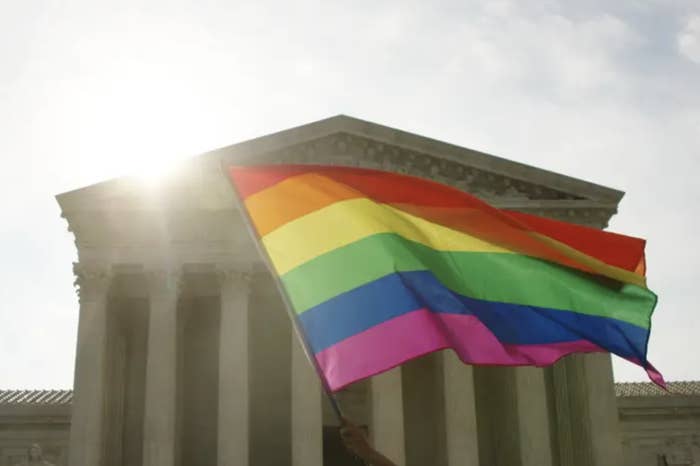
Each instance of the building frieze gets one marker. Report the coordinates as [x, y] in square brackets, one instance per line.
[497, 189]
[352, 150]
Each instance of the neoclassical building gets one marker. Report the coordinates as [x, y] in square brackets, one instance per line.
[185, 354]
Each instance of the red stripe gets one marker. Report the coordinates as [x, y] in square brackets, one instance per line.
[393, 188]
[621, 251]
[379, 185]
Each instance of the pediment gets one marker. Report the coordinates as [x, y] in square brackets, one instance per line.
[352, 150]
[348, 141]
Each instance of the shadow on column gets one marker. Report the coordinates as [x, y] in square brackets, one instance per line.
[199, 380]
[270, 375]
[424, 420]
[127, 332]
[496, 416]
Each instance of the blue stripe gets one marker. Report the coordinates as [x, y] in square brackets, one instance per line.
[399, 293]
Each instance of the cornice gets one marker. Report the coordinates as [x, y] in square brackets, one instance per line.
[376, 138]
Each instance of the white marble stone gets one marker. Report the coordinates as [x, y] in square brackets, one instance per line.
[460, 412]
[159, 447]
[387, 419]
[602, 410]
[88, 418]
[533, 417]
[307, 428]
[234, 380]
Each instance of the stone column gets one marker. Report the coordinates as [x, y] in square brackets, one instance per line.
[562, 415]
[387, 428]
[606, 439]
[532, 417]
[307, 415]
[161, 370]
[88, 413]
[587, 411]
[462, 442]
[234, 380]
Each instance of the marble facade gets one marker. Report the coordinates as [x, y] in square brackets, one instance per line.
[186, 356]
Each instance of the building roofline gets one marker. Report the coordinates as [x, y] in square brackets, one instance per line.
[648, 389]
[622, 390]
[36, 397]
[406, 139]
[345, 124]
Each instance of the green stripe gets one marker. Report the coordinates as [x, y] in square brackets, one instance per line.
[507, 278]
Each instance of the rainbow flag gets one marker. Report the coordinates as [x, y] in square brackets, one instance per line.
[381, 268]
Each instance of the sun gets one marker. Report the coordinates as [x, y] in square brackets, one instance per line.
[154, 173]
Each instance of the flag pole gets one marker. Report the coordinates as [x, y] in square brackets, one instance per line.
[287, 303]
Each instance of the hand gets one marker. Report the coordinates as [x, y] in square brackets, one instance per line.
[355, 440]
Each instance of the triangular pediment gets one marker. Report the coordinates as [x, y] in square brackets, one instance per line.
[348, 149]
[350, 141]
[347, 141]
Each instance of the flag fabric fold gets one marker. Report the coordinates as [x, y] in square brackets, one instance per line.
[381, 268]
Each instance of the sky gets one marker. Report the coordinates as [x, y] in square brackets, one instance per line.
[604, 91]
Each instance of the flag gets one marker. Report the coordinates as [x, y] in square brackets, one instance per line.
[381, 268]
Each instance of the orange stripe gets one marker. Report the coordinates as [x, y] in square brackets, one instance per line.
[294, 198]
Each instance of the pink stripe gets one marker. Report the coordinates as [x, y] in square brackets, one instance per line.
[411, 335]
[653, 374]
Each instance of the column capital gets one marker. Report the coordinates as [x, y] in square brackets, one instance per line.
[164, 280]
[228, 274]
[92, 281]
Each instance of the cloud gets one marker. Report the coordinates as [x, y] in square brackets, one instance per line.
[689, 39]
[548, 52]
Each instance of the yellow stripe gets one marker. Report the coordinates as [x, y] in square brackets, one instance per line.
[345, 222]
[348, 221]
